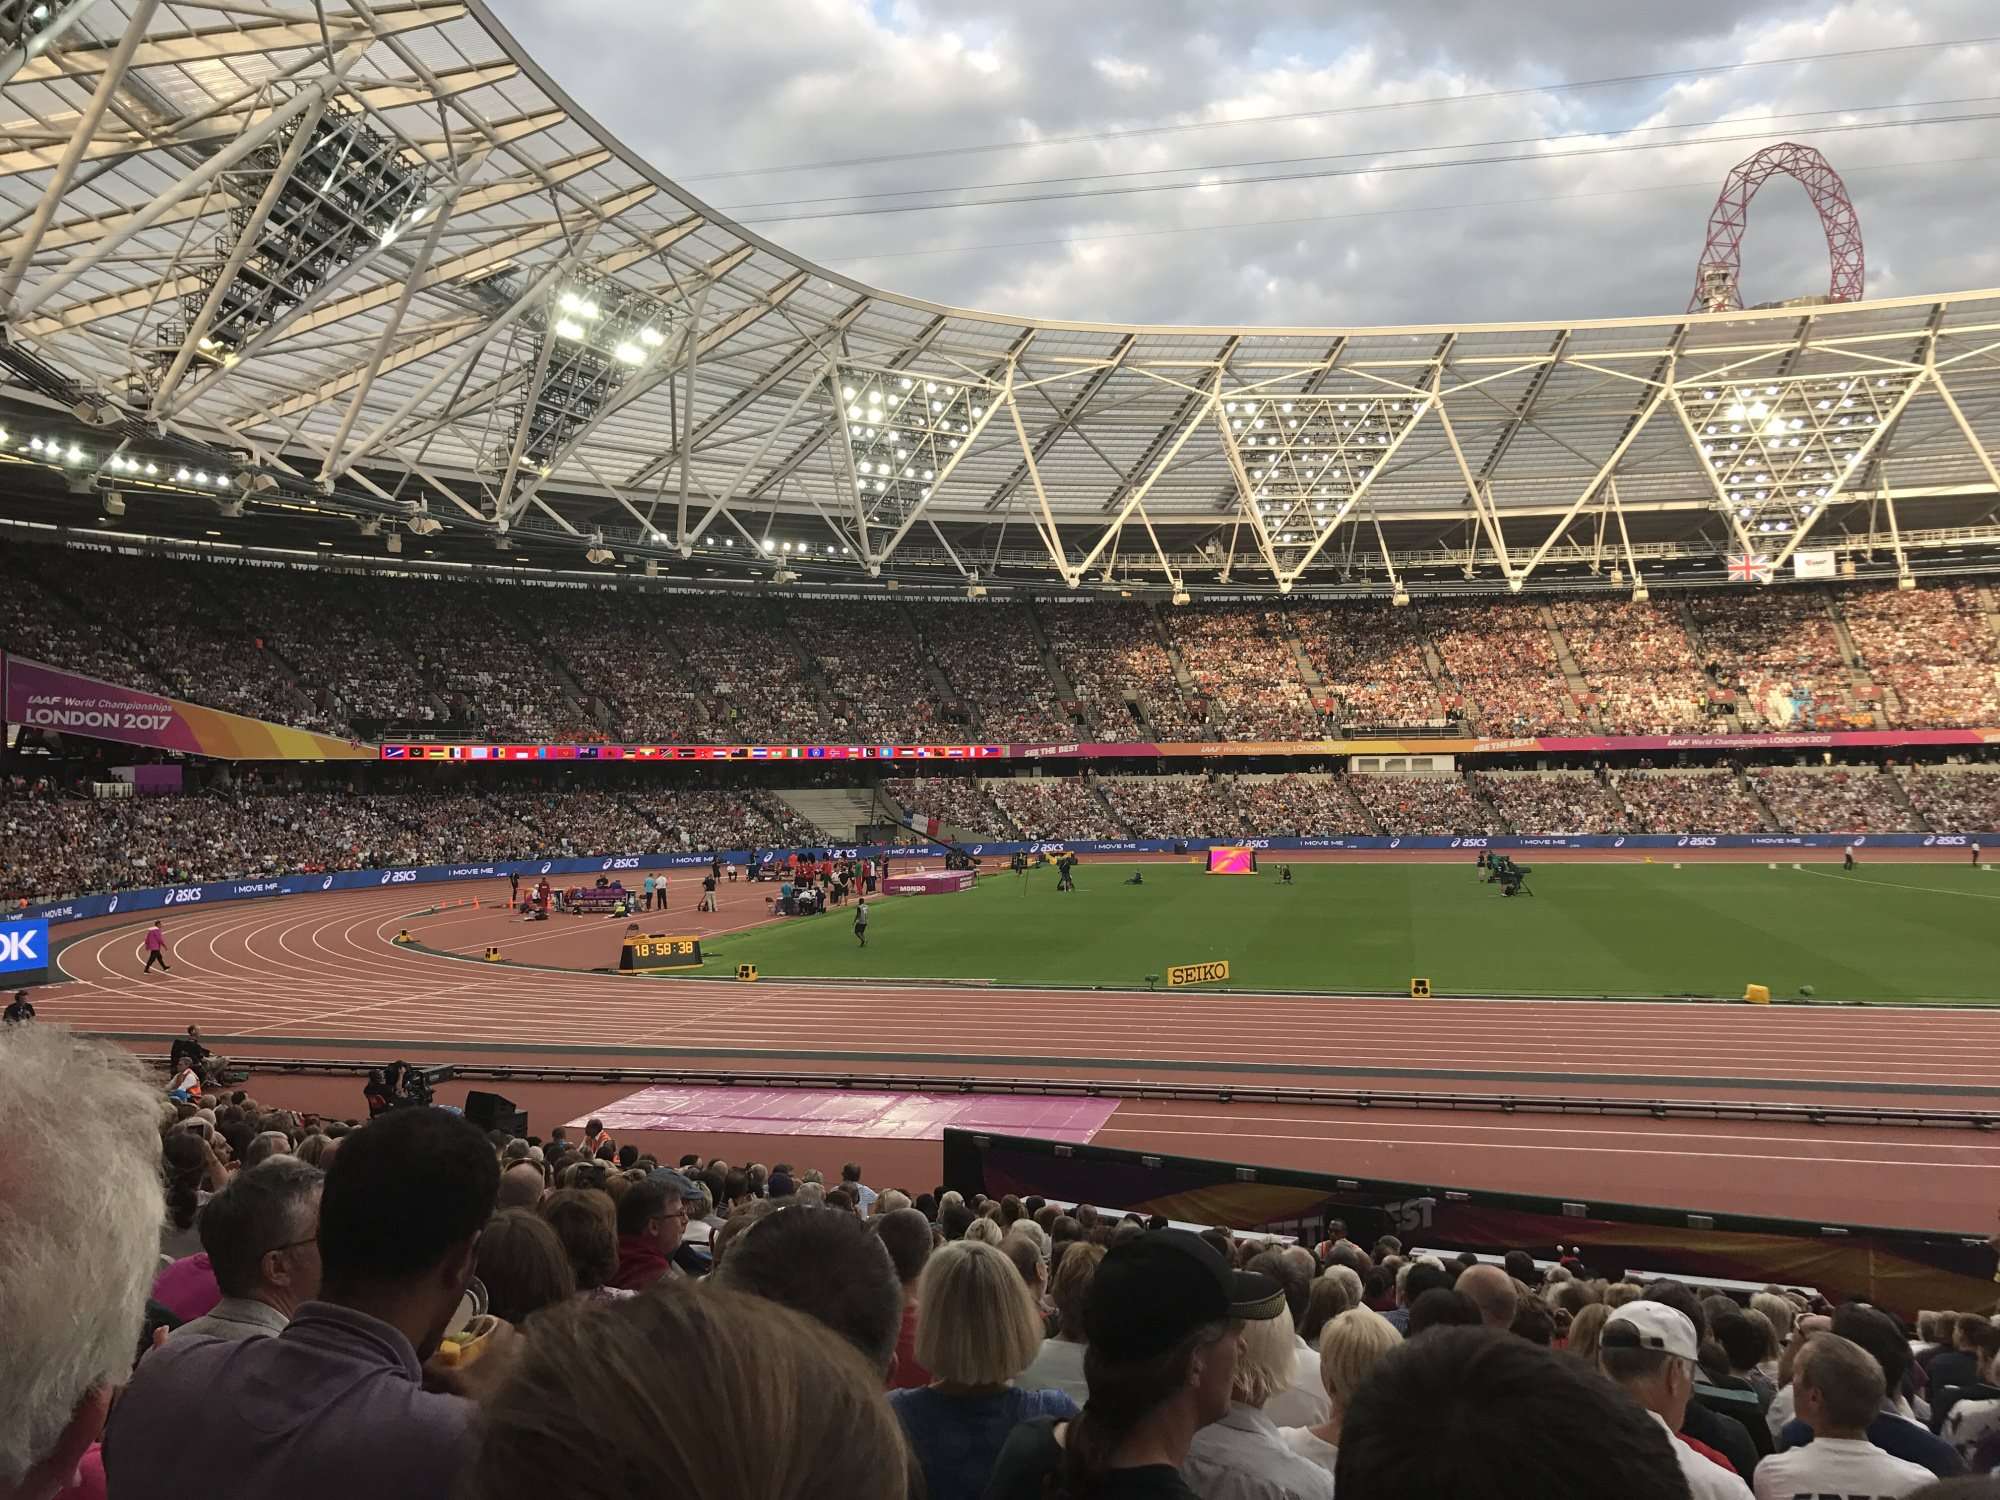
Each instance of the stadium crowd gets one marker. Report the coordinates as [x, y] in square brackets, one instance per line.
[990, 656]
[52, 847]
[1108, 649]
[1504, 661]
[1371, 661]
[290, 1299]
[959, 803]
[1246, 667]
[1832, 799]
[1054, 807]
[1639, 665]
[1709, 800]
[1434, 805]
[1299, 805]
[1954, 797]
[1166, 807]
[1554, 801]
[354, 652]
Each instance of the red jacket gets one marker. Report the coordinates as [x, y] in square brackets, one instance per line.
[640, 1262]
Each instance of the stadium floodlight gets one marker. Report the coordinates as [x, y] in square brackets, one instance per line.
[651, 337]
[629, 353]
[769, 545]
[568, 328]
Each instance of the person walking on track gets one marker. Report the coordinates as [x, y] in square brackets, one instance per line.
[156, 950]
[861, 921]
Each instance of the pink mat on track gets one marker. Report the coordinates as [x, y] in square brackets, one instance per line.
[850, 1112]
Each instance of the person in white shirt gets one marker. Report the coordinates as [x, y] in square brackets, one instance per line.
[1837, 1388]
[1349, 1347]
[1242, 1457]
[1649, 1350]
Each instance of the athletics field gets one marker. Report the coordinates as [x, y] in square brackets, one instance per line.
[1886, 932]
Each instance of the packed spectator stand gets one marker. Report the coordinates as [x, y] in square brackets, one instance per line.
[286, 1293]
[1554, 801]
[1245, 666]
[1832, 799]
[990, 655]
[358, 652]
[1055, 807]
[1696, 800]
[1167, 807]
[960, 805]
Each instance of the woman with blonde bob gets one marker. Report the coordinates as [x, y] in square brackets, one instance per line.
[709, 1395]
[1349, 1347]
[977, 1328]
[1244, 1456]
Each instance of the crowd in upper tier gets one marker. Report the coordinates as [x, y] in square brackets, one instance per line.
[369, 655]
[294, 1305]
[56, 843]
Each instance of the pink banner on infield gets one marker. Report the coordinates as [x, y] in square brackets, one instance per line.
[850, 1112]
[44, 697]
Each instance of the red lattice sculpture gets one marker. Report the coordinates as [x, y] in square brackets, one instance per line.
[1715, 282]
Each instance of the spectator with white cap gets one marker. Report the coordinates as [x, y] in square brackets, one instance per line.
[1650, 1350]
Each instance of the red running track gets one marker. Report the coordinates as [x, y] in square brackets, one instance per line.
[319, 976]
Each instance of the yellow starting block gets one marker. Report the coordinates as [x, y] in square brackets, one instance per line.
[1757, 994]
[1420, 989]
[492, 954]
[746, 972]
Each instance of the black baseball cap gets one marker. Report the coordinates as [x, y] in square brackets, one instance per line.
[1151, 1292]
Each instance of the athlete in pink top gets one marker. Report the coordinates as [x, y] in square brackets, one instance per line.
[156, 950]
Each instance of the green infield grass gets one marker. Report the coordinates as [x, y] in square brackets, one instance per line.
[1886, 932]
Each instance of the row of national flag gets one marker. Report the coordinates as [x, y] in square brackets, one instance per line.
[691, 752]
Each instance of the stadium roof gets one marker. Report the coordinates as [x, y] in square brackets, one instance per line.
[369, 261]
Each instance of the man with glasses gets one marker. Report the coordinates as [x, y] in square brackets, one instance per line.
[652, 1218]
[1649, 1349]
[261, 1234]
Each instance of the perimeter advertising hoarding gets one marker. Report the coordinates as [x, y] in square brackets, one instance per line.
[1902, 1269]
[40, 696]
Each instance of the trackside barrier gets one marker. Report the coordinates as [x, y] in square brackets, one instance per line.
[722, 1076]
[533, 869]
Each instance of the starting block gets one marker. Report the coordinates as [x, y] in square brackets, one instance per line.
[746, 972]
[1757, 994]
[1420, 989]
[492, 953]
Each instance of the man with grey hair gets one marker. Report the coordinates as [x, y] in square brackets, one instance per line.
[81, 1247]
[1838, 1387]
[261, 1234]
[265, 1145]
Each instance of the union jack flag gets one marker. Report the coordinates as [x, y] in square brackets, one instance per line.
[1749, 567]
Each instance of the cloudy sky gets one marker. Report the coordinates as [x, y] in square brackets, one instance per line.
[902, 102]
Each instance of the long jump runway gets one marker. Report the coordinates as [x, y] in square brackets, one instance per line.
[319, 976]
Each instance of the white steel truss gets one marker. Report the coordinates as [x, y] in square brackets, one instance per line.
[169, 260]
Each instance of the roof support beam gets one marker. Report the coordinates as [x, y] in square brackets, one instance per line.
[72, 155]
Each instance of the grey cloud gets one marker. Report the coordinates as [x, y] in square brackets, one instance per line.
[700, 86]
